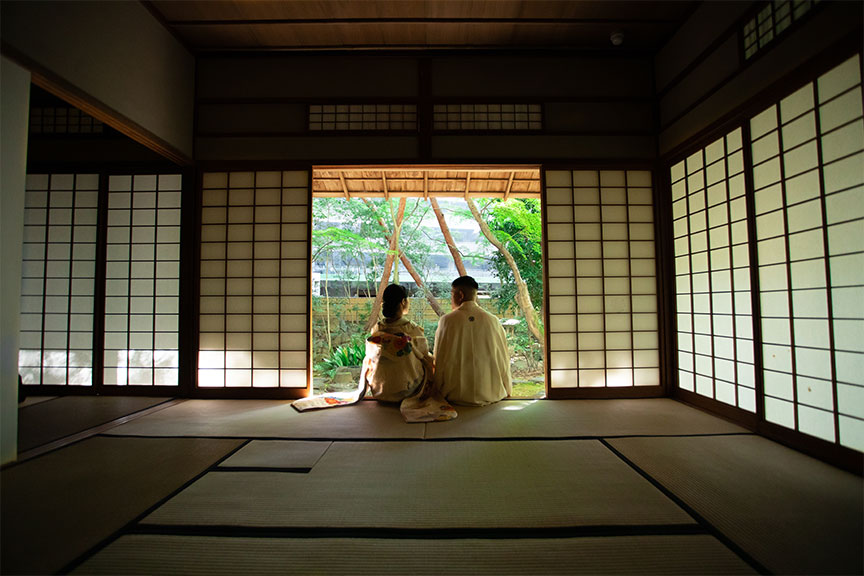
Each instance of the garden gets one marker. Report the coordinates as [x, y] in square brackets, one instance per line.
[362, 245]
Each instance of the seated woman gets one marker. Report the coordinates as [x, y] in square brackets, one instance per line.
[397, 362]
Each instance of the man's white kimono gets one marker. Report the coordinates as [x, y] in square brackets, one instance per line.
[472, 364]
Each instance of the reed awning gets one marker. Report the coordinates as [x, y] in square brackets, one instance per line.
[451, 181]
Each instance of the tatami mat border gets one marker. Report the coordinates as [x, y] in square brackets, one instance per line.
[701, 527]
[503, 533]
[710, 528]
[304, 470]
[447, 439]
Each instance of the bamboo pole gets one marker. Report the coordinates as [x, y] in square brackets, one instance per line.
[344, 186]
[509, 187]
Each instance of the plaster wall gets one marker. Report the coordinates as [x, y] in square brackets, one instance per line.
[115, 52]
[14, 114]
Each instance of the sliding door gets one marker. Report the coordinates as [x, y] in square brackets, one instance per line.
[253, 336]
[602, 312]
[100, 298]
[769, 262]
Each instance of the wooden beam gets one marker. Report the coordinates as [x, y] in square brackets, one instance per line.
[384, 180]
[66, 91]
[509, 186]
[344, 186]
[426, 185]
[467, 185]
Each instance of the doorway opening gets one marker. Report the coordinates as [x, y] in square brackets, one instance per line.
[422, 226]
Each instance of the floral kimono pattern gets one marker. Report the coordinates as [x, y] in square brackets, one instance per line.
[397, 368]
[393, 368]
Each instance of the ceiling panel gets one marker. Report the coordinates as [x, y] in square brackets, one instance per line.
[266, 25]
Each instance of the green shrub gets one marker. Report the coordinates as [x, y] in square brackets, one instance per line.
[347, 355]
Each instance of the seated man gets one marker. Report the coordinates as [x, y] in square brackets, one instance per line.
[472, 364]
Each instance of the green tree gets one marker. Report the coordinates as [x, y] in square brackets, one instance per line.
[514, 229]
[350, 241]
[517, 225]
[350, 234]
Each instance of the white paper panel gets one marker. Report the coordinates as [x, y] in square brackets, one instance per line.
[264, 348]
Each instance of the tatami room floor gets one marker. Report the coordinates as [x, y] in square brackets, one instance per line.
[166, 486]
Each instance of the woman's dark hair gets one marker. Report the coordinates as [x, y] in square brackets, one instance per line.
[392, 298]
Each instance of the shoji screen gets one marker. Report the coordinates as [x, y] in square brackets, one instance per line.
[808, 174]
[142, 284]
[712, 274]
[59, 270]
[602, 282]
[254, 291]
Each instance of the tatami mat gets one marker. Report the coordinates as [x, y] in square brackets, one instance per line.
[507, 419]
[570, 418]
[195, 555]
[273, 419]
[58, 506]
[433, 485]
[43, 422]
[277, 454]
[794, 514]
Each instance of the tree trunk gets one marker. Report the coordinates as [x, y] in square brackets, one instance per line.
[448, 238]
[393, 217]
[327, 302]
[523, 298]
[408, 266]
[388, 266]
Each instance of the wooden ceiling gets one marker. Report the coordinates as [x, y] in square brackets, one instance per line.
[206, 26]
[510, 181]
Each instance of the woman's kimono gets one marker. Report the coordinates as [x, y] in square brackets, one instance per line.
[397, 361]
[397, 368]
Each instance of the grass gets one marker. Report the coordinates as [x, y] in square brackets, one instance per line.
[528, 389]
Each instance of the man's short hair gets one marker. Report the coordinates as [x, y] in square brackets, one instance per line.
[465, 282]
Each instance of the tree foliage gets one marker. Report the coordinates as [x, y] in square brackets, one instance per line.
[348, 240]
[517, 224]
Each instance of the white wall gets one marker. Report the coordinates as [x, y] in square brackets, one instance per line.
[14, 111]
[116, 52]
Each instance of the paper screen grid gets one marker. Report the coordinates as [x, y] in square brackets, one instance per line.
[772, 19]
[142, 280]
[254, 287]
[712, 274]
[601, 279]
[58, 279]
[487, 117]
[65, 120]
[808, 156]
[326, 117]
